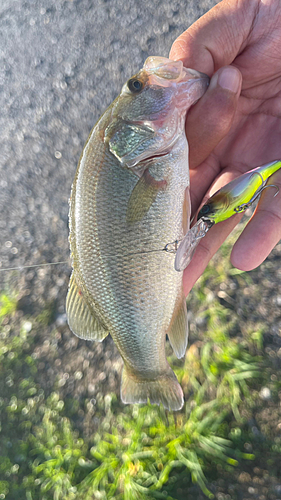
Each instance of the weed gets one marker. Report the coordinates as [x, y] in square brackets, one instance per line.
[8, 304]
[137, 452]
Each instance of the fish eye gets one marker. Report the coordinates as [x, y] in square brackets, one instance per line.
[135, 85]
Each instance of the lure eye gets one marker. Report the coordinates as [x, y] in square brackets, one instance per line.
[135, 85]
[205, 209]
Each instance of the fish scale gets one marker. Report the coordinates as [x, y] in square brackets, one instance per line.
[128, 201]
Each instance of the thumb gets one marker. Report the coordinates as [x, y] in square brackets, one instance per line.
[210, 45]
[210, 120]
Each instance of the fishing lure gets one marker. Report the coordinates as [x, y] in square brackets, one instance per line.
[233, 198]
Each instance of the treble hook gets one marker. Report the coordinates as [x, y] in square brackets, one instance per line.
[244, 206]
[271, 186]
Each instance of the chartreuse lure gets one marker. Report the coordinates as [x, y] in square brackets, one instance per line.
[233, 198]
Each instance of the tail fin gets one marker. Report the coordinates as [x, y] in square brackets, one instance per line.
[165, 389]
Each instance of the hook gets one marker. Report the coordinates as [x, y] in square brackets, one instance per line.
[244, 206]
[274, 186]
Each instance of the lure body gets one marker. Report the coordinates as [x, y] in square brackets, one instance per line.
[233, 198]
[129, 199]
[238, 194]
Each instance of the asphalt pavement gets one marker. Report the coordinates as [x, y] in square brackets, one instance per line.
[61, 64]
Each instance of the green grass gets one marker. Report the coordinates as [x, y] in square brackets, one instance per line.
[8, 305]
[137, 452]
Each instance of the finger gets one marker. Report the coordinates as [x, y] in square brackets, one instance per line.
[205, 251]
[201, 179]
[263, 231]
[210, 120]
[217, 37]
[207, 124]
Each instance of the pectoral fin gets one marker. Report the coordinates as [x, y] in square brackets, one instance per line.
[143, 196]
[80, 316]
[178, 332]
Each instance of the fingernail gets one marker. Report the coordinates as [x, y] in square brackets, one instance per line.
[229, 79]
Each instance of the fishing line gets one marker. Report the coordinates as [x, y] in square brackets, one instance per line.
[20, 268]
[169, 248]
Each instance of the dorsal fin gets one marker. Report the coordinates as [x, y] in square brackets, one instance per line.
[80, 316]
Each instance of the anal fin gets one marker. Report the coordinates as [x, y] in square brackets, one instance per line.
[80, 317]
[178, 331]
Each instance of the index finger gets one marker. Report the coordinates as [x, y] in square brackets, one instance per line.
[206, 250]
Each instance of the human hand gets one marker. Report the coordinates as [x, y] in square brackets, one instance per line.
[236, 125]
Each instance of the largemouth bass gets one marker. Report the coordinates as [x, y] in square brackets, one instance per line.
[129, 199]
